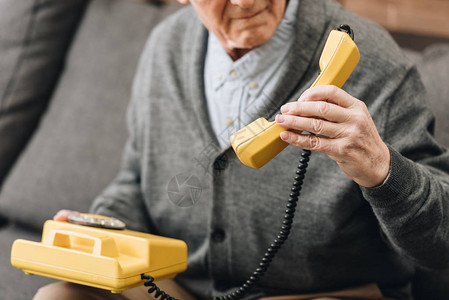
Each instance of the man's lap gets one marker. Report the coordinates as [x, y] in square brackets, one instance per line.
[67, 291]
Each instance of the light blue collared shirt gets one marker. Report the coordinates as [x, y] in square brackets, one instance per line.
[236, 88]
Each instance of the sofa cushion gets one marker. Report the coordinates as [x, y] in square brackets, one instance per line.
[34, 36]
[76, 151]
[15, 285]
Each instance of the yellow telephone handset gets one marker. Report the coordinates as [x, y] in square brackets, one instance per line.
[259, 142]
[104, 258]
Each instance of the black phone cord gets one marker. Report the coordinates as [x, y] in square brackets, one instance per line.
[154, 288]
[271, 251]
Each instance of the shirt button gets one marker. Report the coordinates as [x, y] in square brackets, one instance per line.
[253, 85]
[234, 74]
[218, 235]
[229, 122]
[219, 77]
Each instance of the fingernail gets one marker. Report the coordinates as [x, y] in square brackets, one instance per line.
[284, 136]
[280, 118]
[284, 109]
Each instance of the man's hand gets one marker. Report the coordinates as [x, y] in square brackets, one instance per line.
[347, 133]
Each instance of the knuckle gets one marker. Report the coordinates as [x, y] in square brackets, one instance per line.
[350, 149]
[296, 140]
[317, 126]
[345, 151]
[314, 142]
[361, 107]
[351, 130]
[332, 90]
[341, 131]
[323, 109]
[359, 118]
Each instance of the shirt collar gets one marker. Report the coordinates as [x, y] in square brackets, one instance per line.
[248, 67]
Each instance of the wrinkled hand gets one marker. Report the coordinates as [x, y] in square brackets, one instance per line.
[63, 215]
[347, 133]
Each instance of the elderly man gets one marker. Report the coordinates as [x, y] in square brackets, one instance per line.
[374, 204]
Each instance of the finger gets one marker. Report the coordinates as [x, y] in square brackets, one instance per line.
[328, 93]
[307, 141]
[314, 125]
[64, 214]
[319, 109]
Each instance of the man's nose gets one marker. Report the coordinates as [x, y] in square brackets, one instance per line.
[243, 3]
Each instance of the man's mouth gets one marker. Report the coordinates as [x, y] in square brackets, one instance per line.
[251, 15]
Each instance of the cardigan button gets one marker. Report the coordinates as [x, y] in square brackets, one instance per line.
[218, 235]
[223, 285]
[221, 163]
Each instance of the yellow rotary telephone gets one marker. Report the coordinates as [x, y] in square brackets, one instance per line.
[100, 257]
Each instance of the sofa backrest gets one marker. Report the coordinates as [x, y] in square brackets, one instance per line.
[76, 151]
[34, 37]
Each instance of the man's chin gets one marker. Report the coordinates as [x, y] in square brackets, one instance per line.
[249, 43]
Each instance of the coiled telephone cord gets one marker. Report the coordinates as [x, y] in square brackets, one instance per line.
[271, 251]
[154, 288]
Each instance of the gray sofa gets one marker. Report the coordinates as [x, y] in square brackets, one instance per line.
[66, 69]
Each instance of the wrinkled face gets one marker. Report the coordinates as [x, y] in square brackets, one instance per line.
[240, 24]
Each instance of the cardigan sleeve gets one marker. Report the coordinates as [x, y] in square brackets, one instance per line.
[123, 198]
[412, 204]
